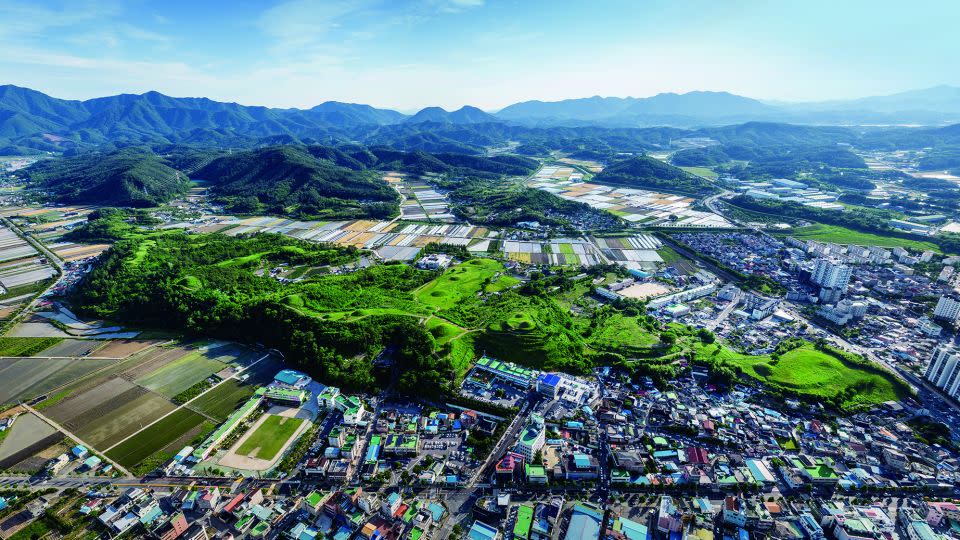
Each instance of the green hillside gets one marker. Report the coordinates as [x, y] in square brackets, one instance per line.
[290, 180]
[644, 172]
[129, 177]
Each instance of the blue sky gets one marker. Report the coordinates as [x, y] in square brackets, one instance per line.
[407, 54]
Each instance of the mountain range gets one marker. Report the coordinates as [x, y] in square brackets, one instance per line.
[32, 121]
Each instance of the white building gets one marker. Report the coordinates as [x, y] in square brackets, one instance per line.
[948, 308]
[944, 370]
[532, 438]
[831, 274]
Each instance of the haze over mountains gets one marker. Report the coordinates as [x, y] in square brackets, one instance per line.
[33, 120]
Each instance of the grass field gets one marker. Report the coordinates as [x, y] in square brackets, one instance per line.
[147, 442]
[703, 172]
[26, 346]
[620, 332]
[841, 235]
[269, 437]
[462, 281]
[811, 372]
[442, 331]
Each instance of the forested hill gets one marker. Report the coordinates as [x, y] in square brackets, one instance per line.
[288, 180]
[131, 177]
[644, 172]
[309, 182]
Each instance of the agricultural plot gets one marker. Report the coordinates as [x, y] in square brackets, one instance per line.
[633, 205]
[632, 251]
[124, 419]
[391, 240]
[25, 346]
[219, 402]
[842, 235]
[153, 360]
[171, 432]
[28, 430]
[26, 378]
[121, 348]
[95, 400]
[71, 347]
[181, 374]
[558, 252]
[21, 266]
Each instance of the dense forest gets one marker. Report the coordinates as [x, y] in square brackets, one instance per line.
[288, 180]
[644, 172]
[131, 177]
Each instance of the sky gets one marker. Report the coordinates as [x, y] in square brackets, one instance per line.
[408, 54]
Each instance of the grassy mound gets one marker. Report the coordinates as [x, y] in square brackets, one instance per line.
[826, 374]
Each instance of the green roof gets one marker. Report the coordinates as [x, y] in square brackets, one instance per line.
[504, 367]
[521, 529]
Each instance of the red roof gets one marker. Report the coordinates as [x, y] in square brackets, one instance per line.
[234, 502]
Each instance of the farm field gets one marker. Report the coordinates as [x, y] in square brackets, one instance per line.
[269, 437]
[842, 235]
[28, 429]
[815, 373]
[125, 419]
[25, 346]
[71, 347]
[176, 375]
[26, 378]
[122, 348]
[181, 374]
[221, 401]
[160, 437]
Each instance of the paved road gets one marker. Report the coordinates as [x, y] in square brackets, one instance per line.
[507, 440]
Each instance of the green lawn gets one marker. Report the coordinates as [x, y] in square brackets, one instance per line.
[460, 282]
[269, 437]
[812, 372]
[442, 331]
[842, 235]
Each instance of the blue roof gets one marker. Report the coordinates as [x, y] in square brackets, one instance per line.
[481, 531]
[436, 511]
[584, 524]
[290, 376]
[549, 379]
[633, 530]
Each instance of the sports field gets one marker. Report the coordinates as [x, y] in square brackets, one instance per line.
[271, 436]
[842, 235]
